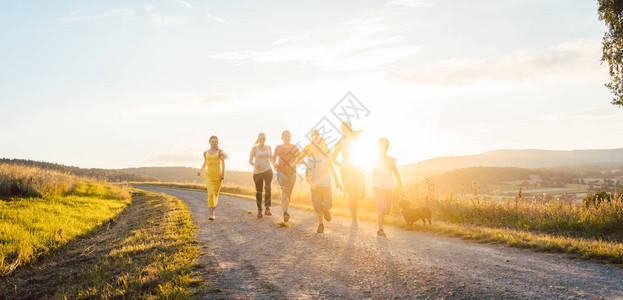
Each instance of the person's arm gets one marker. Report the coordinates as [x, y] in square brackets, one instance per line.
[302, 155]
[397, 176]
[251, 157]
[336, 152]
[222, 169]
[337, 181]
[270, 155]
[273, 158]
[308, 179]
[205, 163]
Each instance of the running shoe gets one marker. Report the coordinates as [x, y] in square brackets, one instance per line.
[381, 233]
[259, 213]
[267, 212]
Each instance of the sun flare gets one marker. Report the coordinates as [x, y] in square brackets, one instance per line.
[364, 152]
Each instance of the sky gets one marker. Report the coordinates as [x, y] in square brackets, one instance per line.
[114, 84]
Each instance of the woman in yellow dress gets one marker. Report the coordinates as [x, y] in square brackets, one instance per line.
[214, 163]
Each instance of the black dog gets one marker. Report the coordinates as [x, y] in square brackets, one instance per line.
[412, 215]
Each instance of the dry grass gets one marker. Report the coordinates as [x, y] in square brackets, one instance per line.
[25, 181]
[602, 221]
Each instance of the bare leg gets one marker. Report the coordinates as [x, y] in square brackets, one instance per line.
[320, 223]
[211, 209]
[380, 216]
[353, 207]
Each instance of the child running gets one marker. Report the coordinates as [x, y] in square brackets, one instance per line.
[383, 175]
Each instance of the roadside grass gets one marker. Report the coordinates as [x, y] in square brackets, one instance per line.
[147, 252]
[151, 254]
[594, 232]
[42, 210]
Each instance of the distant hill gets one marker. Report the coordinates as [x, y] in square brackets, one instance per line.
[532, 158]
[101, 174]
[187, 174]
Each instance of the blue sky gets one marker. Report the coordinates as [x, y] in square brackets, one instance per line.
[145, 83]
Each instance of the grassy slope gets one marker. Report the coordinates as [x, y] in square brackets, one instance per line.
[147, 252]
[30, 227]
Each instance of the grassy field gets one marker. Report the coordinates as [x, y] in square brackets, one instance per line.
[592, 232]
[64, 237]
[42, 210]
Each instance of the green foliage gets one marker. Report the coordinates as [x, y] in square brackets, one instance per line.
[598, 198]
[610, 11]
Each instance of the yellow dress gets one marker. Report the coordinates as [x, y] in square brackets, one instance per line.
[212, 177]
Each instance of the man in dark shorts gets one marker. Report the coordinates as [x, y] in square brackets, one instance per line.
[352, 176]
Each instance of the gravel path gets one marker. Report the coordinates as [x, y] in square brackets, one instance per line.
[247, 257]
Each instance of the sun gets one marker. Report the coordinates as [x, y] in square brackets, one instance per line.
[364, 152]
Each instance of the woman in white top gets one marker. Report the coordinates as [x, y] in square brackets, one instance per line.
[383, 175]
[262, 173]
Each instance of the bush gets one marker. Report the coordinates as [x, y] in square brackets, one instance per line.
[597, 199]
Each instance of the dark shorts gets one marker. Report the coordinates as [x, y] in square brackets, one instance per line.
[354, 182]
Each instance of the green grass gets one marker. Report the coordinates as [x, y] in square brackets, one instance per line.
[30, 227]
[151, 255]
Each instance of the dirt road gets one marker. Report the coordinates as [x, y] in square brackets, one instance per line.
[247, 257]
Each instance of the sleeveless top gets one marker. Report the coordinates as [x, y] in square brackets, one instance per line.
[262, 160]
[213, 169]
[382, 173]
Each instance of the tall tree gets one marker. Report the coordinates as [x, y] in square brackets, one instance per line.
[610, 11]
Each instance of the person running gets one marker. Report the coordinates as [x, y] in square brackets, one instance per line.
[384, 174]
[284, 160]
[262, 173]
[319, 166]
[352, 176]
[214, 163]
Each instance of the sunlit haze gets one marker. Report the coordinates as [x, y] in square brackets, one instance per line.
[116, 84]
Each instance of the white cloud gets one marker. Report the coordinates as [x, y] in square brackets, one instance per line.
[578, 58]
[122, 12]
[353, 45]
[179, 104]
[411, 3]
[217, 19]
[159, 20]
[187, 5]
